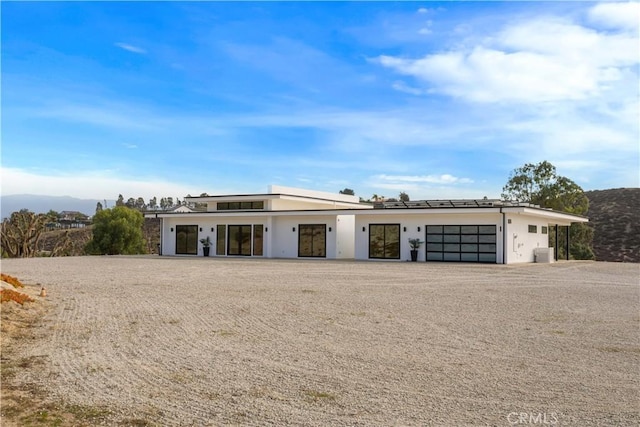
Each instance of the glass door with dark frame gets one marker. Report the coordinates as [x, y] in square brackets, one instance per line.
[312, 240]
[384, 241]
[187, 239]
[239, 240]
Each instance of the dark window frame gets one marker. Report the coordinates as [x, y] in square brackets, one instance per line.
[236, 206]
[385, 241]
[191, 243]
[533, 229]
[258, 240]
[313, 228]
[233, 230]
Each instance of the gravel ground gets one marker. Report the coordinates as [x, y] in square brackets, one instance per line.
[206, 341]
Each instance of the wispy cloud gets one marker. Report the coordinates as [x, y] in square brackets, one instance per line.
[428, 179]
[540, 60]
[131, 48]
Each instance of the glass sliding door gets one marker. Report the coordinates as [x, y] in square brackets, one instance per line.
[258, 239]
[221, 240]
[187, 239]
[239, 240]
[312, 240]
[384, 241]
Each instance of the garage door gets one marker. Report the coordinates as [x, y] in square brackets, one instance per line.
[461, 243]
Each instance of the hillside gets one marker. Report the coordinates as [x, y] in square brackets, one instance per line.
[614, 215]
[43, 204]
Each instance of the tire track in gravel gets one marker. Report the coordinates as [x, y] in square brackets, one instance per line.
[268, 342]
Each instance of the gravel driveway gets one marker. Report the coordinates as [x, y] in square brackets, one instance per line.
[207, 341]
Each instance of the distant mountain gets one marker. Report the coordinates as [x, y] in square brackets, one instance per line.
[43, 204]
[615, 217]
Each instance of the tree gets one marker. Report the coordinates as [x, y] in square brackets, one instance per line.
[153, 203]
[117, 231]
[404, 197]
[120, 201]
[348, 191]
[540, 184]
[99, 207]
[140, 205]
[20, 233]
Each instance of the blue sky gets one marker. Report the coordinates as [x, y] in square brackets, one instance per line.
[440, 100]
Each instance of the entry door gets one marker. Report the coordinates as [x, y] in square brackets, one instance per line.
[312, 240]
[462, 243]
[187, 239]
[239, 240]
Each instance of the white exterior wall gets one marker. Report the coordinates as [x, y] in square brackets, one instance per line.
[284, 205]
[414, 220]
[521, 244]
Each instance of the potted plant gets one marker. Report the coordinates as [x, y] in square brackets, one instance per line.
[415, 245]
[206, 245]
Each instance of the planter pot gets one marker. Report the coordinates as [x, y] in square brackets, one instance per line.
[205, 250]
[414, 255]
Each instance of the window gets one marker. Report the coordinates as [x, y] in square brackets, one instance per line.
[187, 239]
[257, 239]
[384, 241]
[545, 229]
[533, 228]
[221, 240]
[312, 240]
[239, 240]
[232, 206]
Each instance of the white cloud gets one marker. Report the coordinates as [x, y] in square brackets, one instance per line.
[428, 179]
[131, 48]
[403, 87]
[616, 15]
[541, 60]
[88, 185]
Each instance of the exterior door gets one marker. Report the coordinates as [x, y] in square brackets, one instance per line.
[187, 239]
[312, 240]
[239, 242]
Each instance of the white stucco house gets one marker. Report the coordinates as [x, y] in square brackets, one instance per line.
[289, 222]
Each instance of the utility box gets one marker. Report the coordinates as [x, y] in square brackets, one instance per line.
[543, 255]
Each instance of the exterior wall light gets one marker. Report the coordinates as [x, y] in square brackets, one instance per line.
[172, 229]
[329, 229]
[212, 229]
[200, 228]
[363, 229]
[293, 229]
[418, 228]
[404, 229]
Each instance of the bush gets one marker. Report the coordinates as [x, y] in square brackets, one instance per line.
[117, 231]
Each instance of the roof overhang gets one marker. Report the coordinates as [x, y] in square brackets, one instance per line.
[552, 217]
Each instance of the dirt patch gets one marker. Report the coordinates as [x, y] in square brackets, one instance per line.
[194, 341]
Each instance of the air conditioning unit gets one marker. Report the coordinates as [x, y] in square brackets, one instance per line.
[543, 255]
